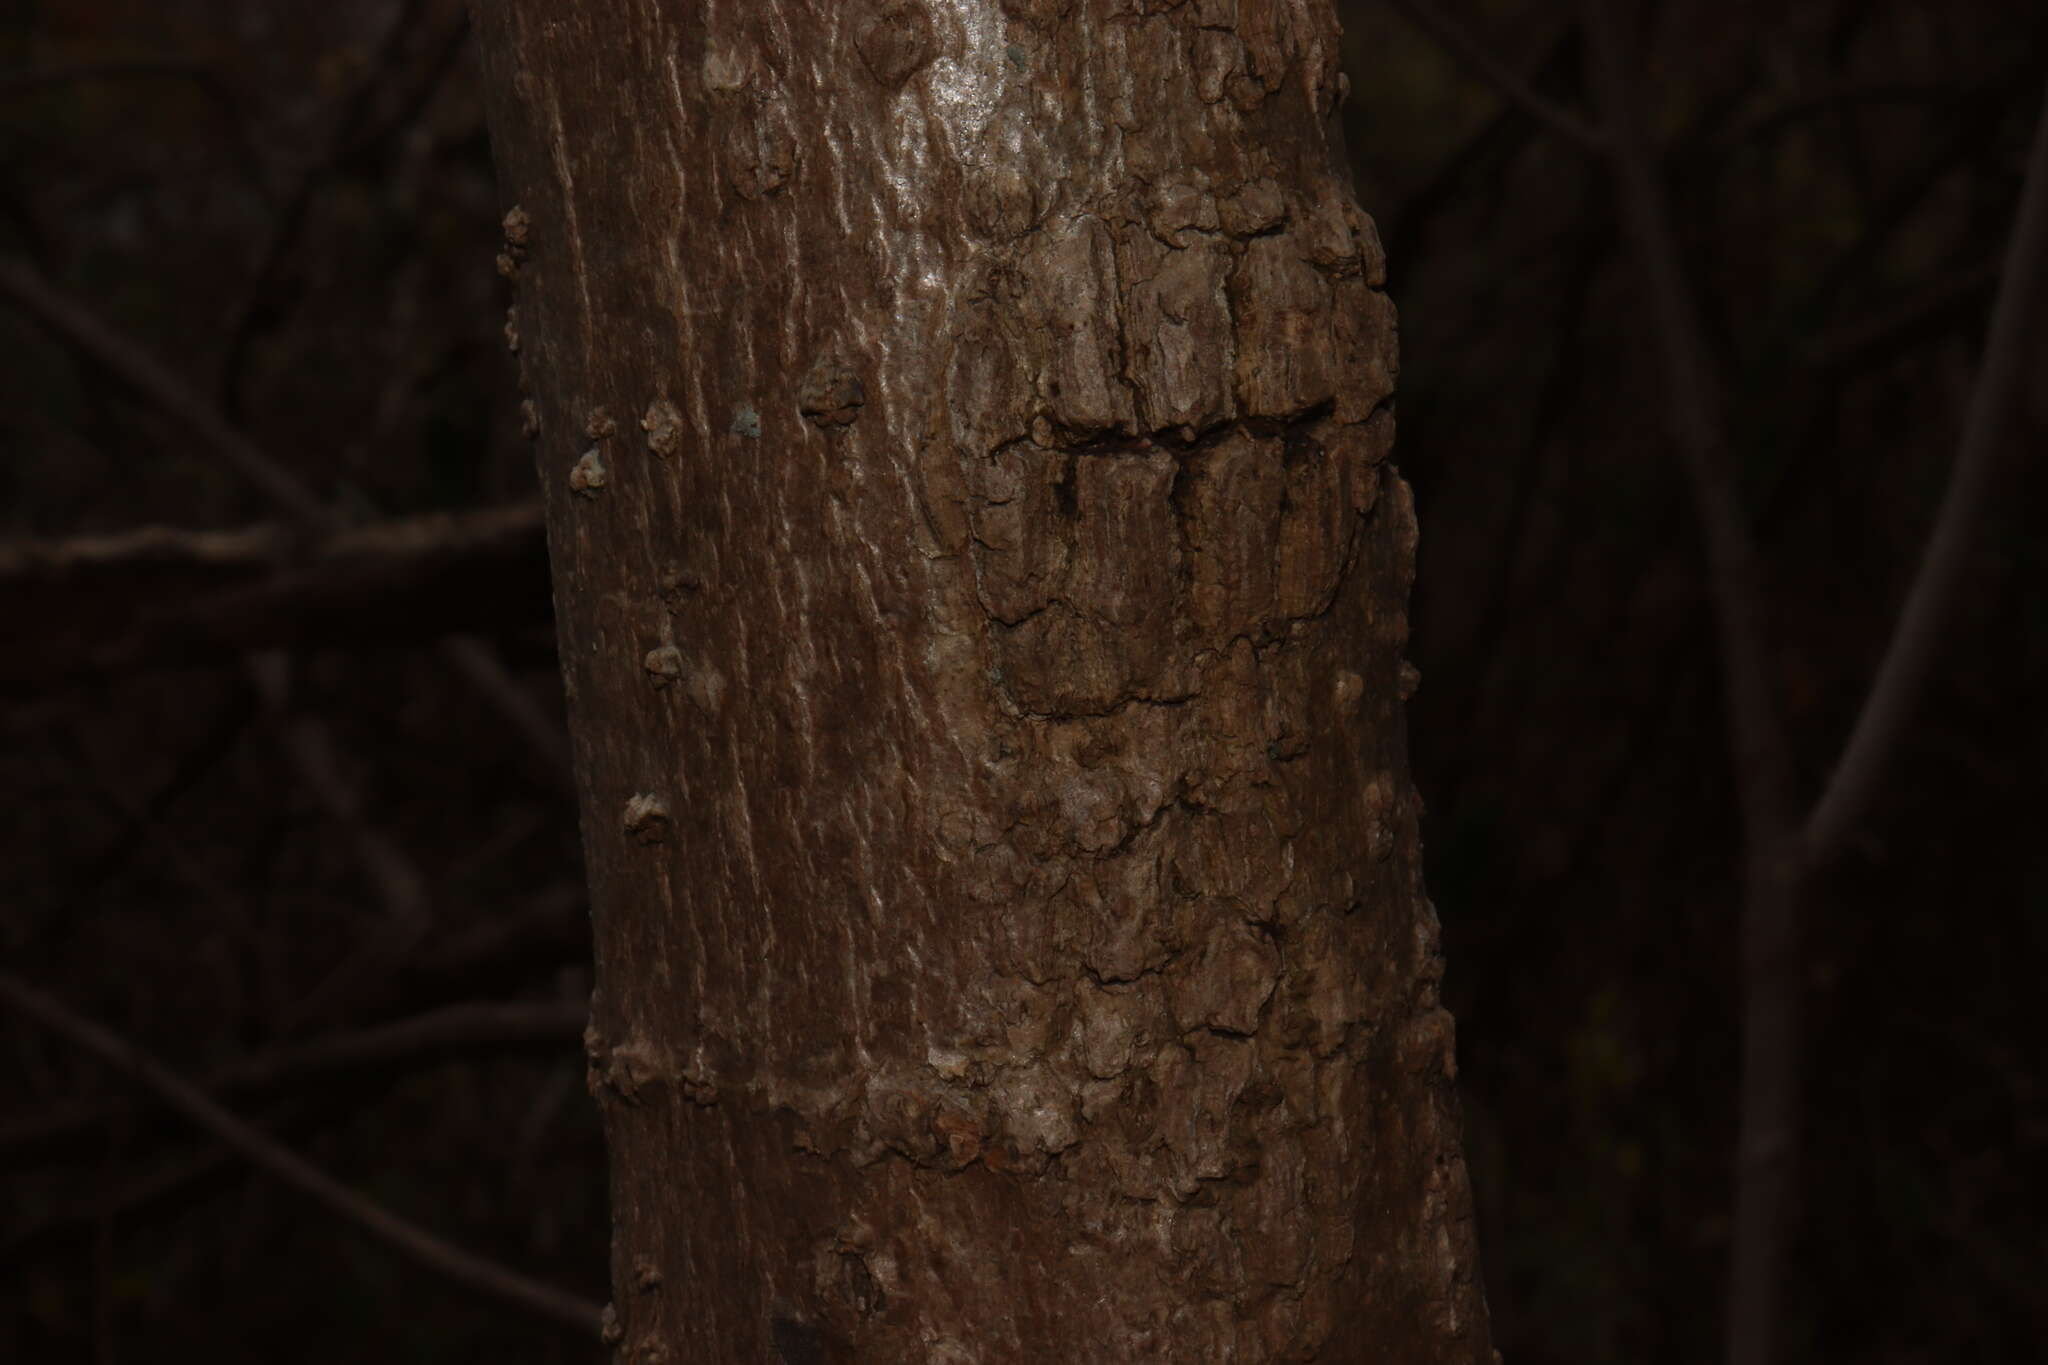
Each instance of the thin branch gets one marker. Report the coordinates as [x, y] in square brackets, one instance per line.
[267, 546]
[1961, 134]
[140, 372]
[1928, 308]
[454, 1028]
[227, 106]
[1499, 137]
[108, 786]
[1425, 15]
[1699, 429]
[522, 944]
[399, 886]
[24, 1242]
[90, 606]
[476, 661]
[297, 206]
[1842, 95]
[1772, 1004]
[146, 815]
[313, 755]
[1481, 655]
[1930, 603]
[472, 657]
[464, 1267]
[36, 78]
[145, 550]
[78, 327]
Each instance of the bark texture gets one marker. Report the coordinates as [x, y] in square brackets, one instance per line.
[982, 592]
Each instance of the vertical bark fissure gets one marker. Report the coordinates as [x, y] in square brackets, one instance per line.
[986, 678]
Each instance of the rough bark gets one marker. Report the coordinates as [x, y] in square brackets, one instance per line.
[982, 592]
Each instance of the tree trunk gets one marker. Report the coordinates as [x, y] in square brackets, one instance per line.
[981, 595]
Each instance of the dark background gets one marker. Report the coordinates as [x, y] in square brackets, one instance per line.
[253, 818]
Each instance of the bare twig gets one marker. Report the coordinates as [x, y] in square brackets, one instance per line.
[92, 778]
[454, 1028]
[23, 1242]
[1699, 429]
[311, 749]
[1427, 16]
[1930, 603]
[1959, 133]
[354, 112]
[202, 76]
[70, 73]
[464, 1267]
[146, 549]
[1497, 138]
[1842, 95]
[474, 659]
[266, 546]
[1778, 855]
[142, 373]
[398, 884]
[1772, 1021]
[89, 606]
[78, 327]
[1927, 308]
[146, 815]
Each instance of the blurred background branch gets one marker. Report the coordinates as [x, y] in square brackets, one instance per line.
[464, 1267]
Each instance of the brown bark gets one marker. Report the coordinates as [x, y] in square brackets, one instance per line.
[982, 594]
